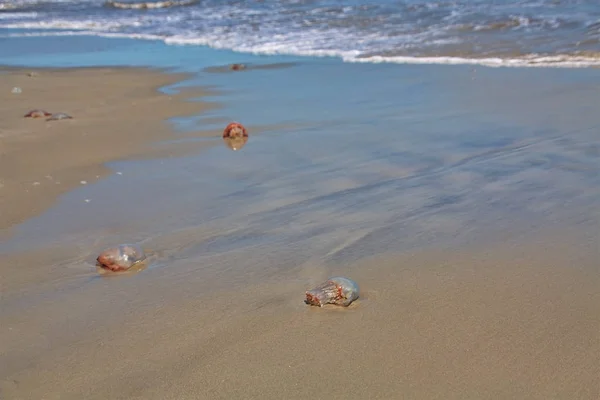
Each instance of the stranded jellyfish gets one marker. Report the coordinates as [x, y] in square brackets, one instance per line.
[121, 258]
[237, 67]
[235, 136]
[59, 116]
[37, 114]
[338, 290]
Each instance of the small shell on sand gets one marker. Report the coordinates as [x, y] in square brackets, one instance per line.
[121, 258]
[59, 116]
[37, 114]
[337, 290]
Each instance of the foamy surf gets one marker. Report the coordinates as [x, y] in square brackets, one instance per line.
[532, 60]
[559, 61]
[513, 33]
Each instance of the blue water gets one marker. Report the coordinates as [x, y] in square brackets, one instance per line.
[562, 33]
[360, 159]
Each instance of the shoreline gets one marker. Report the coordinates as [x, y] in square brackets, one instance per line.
[43, 160]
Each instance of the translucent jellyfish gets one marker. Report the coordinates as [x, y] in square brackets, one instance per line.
[59, 116]
[37, 114]
[235, 136]
[121, 258]
[337, 290]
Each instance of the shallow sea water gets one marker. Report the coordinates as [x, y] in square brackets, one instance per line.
[369, 159]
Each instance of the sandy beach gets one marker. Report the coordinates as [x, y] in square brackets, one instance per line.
[117, 114]
[516, 319]
[235, 239]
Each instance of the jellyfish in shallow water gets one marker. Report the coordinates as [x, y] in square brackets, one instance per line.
[121, 258]
[237, 67]
[235, 136]
[337, 290]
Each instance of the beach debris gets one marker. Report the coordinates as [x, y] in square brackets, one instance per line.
[37, 114]
[145, 5]
[235, 136]
[246, 67]
[337, 290]
[121, 258]
[16, 90]
[235, 129]
[59, 116]
[237, 67]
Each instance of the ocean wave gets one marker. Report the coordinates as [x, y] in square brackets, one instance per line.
[81, 25]
[588, 59]
[146, 5]
[19, 5]
[114, 35]
[20, 15]
[508, 33]
[514, 22]
[532, 60]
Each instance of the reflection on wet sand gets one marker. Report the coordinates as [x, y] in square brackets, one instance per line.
[236, 143]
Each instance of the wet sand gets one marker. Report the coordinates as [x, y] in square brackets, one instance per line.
[517, 318]
[219, 314]
[118, 114]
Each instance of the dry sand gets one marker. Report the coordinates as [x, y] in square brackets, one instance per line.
[118, 114]
[516, 319]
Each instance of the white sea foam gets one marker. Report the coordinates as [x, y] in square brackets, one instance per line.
[19, 15]
[115, 35]
[556, 61]
[96, 25]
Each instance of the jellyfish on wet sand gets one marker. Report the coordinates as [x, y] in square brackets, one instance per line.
[121, 258]
[59, 116]
[37, 114]
[235, 136]
[337, 290]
